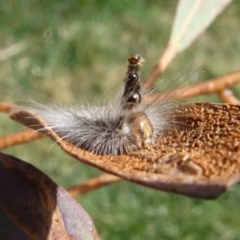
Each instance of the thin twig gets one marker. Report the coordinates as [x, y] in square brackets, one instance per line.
[19, 138]
[6, 107]
[92, 184]
[214, 85]
[228, 96]
[169, 54]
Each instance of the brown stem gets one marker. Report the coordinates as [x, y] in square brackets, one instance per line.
[169, 54]
[228, 96]
[6, 107]
[92, 184]
[214, 85]
[20, 137]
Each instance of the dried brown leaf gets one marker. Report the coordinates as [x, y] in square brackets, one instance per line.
[202, 160]
[32, 206]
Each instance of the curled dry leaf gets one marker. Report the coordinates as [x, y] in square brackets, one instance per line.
[200, 160]
[32, 206]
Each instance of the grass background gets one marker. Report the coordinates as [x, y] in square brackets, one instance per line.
[77, 52]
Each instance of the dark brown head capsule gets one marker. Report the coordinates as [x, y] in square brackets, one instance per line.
[134, 59]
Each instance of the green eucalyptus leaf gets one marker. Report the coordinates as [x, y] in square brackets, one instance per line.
[192, 19]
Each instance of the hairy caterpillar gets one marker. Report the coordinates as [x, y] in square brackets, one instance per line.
[125, 123]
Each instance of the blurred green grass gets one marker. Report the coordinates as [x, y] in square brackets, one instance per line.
[77, 52]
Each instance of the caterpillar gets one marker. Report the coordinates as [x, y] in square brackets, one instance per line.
[127, 122]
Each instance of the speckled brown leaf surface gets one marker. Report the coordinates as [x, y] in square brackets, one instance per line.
[32, 206]
[199, 160]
